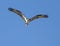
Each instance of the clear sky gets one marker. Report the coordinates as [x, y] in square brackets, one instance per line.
[40, 32]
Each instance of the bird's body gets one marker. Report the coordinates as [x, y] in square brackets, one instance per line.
[27, 20]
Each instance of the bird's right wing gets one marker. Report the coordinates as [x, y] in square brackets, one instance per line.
[38, 16]
[18, 12]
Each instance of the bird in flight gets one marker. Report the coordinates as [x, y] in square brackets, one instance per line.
[27, 20]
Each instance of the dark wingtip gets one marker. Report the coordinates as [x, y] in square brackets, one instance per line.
[10, 9]
[46, 16]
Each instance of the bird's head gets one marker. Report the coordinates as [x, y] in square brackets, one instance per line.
[27, 23]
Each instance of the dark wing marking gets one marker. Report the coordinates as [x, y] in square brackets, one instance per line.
[18, 12]
[38, 16]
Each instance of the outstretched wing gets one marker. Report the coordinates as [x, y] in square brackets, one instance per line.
[38, 16]
[18, 12]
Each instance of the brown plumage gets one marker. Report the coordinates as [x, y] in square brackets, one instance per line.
[26, 19]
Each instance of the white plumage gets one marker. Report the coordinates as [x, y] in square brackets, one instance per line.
[26, 19]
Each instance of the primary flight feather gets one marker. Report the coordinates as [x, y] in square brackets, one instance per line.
[26, 19]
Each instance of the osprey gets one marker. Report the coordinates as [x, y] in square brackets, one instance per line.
[27, 20]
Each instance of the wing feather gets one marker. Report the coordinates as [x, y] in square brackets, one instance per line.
[18, 12]
[38, 16]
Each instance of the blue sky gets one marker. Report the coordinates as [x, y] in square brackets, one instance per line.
[40, 32]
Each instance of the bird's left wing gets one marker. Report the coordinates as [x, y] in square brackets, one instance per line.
[18, 12]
